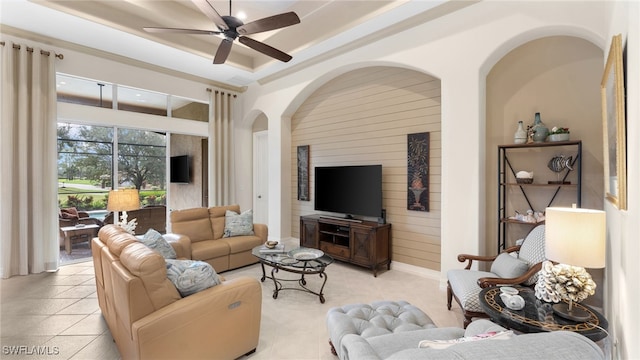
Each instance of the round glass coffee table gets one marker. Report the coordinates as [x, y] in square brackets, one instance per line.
[538, 316]
[299, 260]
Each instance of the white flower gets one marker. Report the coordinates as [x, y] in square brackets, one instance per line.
[554, 129]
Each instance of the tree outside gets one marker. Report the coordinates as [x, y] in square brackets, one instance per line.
[85, 158]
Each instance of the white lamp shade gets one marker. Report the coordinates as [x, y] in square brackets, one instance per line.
[575, 236]
[123, 200]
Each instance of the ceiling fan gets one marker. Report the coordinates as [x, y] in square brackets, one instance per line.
[233, 28]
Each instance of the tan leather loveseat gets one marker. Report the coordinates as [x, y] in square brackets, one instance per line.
[205, 228]
[146, 315]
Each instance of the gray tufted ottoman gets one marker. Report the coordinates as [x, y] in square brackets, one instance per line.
[378, 318]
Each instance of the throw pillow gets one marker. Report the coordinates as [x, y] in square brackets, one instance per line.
[443, 344]
[191, 276]
[238, 224]
[69, 213]
[507, 266]
[155, 241]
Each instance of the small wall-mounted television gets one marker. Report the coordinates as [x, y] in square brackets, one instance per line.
[180, 169]
[349, 190]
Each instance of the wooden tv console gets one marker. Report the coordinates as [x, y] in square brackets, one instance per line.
[363, 243]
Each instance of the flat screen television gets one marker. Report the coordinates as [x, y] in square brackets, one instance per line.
[349, 190]
[179, 169]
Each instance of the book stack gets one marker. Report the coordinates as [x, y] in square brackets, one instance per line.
[278, 249]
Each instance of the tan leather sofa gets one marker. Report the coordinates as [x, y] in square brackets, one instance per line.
[205, 227]
[149, 320]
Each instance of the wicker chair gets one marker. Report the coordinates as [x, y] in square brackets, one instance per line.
[516, 265]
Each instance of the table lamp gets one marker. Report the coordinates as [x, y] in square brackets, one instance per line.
[576, 238]
[123, 200]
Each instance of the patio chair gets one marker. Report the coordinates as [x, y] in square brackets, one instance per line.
[516, 265]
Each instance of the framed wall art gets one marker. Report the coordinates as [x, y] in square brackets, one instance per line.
[614, 126]
[418, 171]
[303, 172]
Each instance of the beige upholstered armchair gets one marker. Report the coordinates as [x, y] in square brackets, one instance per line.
[516, 265]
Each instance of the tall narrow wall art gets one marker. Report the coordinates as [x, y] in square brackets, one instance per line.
[418, 171]
[303, 172]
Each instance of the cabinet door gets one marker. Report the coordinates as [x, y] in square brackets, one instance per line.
[362, 245]
[309, 233]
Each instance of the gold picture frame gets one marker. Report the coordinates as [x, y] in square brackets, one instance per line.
[614, 126]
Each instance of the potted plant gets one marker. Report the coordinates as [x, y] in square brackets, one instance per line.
[559, 134]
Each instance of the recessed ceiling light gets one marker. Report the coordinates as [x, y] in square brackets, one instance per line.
[241, 15]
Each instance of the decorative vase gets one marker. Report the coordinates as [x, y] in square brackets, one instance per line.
[520, 136]
[540, 131]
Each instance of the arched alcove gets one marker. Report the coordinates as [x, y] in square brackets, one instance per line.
[559, 77]
[363, 117]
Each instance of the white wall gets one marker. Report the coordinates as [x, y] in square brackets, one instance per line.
[623, 268]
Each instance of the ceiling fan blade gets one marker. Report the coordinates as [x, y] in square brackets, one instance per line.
[265, 49]
[208, 9]
[180, 31]
[223, 51]
[269, 23]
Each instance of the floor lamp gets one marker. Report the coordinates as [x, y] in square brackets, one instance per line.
[576, 238]
[123, 200]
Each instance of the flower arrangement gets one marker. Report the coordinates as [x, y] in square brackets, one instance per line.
[559, 130]
[563, 282]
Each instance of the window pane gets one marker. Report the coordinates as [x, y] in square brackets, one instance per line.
[184, 108]
[75, 90]
[85, 158]
[142, 101]
[142, 164]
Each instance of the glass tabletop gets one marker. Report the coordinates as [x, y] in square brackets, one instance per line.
[538, 316]
[290, 257]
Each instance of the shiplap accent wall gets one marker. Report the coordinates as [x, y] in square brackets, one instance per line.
[363, 118]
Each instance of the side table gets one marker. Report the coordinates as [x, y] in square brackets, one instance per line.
[538, 316]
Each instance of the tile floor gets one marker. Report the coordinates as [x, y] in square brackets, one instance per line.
[58, 314]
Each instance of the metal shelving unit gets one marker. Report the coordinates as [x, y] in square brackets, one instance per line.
[506, 172]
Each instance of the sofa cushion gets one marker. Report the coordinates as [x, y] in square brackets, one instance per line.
[191, 276]
[238, 224]
[532, 250]
[116, 238]
[443, 344]
[205, 250]
[464, 284]
[238, 244]
[150, 267]
[193, 223]
[155, 241]
[507, 266]
[69, 213]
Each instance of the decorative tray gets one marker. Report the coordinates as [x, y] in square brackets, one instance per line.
[304, 254]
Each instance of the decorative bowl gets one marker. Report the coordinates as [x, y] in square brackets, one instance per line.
[305, 254]
[524, 180]
[558, 137]
[270, 244]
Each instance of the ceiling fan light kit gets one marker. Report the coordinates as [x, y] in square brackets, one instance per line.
[233, 28]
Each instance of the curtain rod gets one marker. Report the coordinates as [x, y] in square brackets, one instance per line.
[30, 49]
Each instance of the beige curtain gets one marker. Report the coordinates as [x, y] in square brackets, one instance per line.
[221, 165]
[29, 206]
